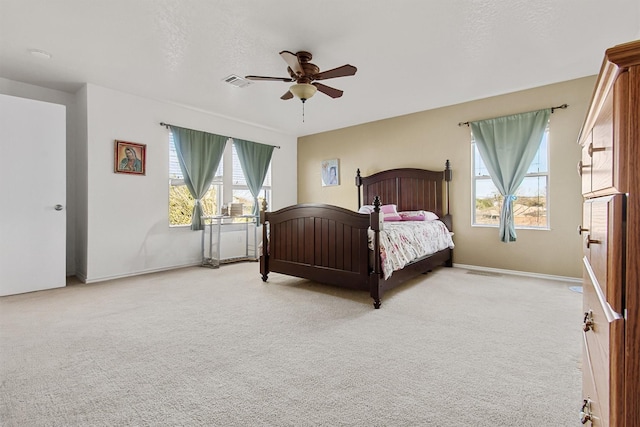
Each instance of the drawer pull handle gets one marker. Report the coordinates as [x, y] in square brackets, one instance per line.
[585, 412]
[587, 322]
[581, 229]
[594, 150]
[591, 241]
[582, 166]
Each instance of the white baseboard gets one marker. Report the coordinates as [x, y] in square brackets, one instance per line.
[520, 273]
[81, 277]
[138, 273]
[577, 280]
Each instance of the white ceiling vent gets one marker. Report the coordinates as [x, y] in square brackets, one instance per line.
[237, 81]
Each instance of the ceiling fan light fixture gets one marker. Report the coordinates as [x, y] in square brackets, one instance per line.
[303, 91]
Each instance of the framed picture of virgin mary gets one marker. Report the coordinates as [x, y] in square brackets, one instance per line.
[129, 157]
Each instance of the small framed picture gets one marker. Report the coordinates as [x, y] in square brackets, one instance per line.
[129, 157]
[330, 173]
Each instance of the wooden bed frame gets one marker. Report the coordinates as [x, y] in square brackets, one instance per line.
[329, 244]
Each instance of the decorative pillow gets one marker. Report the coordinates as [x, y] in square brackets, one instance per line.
[412, 215]
[418, 216]
[430, 216]
[365, 209]
[390, 213]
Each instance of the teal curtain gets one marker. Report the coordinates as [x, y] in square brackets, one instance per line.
[507, 146]
[199, 155]
[254, 159]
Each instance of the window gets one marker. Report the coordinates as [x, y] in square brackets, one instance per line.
[531, 206]
[228, 186]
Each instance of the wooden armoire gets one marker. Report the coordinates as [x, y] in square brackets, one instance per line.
[610, 170]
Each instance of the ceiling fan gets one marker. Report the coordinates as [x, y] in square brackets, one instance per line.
[305, 74]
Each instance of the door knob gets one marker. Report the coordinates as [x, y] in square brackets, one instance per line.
[58, 207]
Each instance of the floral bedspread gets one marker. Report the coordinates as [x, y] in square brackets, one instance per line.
[405, 241]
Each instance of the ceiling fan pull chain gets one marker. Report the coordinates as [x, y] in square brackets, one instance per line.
[303, 112]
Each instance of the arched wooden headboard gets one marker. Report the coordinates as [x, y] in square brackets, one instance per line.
[408, 188]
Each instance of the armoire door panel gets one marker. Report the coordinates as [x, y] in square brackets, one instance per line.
[603, 244]
[590, 409]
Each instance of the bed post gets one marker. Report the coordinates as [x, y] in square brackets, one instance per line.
[447, 178]
[448, 175]
[264, 256]
[374, 276]
[358, 184]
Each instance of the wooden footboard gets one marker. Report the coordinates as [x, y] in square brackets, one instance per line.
[325, 243]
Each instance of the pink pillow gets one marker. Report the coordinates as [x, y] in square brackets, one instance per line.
[418, 216]
[412, 216]
[390, 213]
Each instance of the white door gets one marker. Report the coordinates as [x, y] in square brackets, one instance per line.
[32, 195]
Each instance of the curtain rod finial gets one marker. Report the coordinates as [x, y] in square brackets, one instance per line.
[563, 106]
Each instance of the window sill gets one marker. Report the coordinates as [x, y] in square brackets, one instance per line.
[517, 227]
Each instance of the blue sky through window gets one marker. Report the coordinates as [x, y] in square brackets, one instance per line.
[531, 186]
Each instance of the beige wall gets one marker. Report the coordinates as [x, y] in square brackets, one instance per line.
[427, 139]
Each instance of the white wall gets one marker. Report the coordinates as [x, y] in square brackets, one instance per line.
[117, 224]
[23, 90]
[127, 230]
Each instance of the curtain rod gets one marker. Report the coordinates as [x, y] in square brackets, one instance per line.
[167, 125]
[563, 106]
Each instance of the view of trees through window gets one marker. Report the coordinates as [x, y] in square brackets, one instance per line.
[531, 205]
[219, 197]
[181, 204]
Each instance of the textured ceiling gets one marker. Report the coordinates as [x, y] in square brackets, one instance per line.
[411, 55]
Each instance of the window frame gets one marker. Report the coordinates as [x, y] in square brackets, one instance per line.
[475, 178]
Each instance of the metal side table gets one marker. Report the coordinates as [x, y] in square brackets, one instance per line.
[212, 237]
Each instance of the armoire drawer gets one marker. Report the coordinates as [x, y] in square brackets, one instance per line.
[603, 333]
[602, 234]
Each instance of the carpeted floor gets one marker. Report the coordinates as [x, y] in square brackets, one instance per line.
[202, 347]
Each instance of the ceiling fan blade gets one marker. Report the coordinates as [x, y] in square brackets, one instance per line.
[345, 70]
[279, 79]
[292, 61]
[334, 93]
[287, 95]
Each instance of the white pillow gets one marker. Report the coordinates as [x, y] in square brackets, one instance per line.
[418, 216]
[366, 209]
[430, 216]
